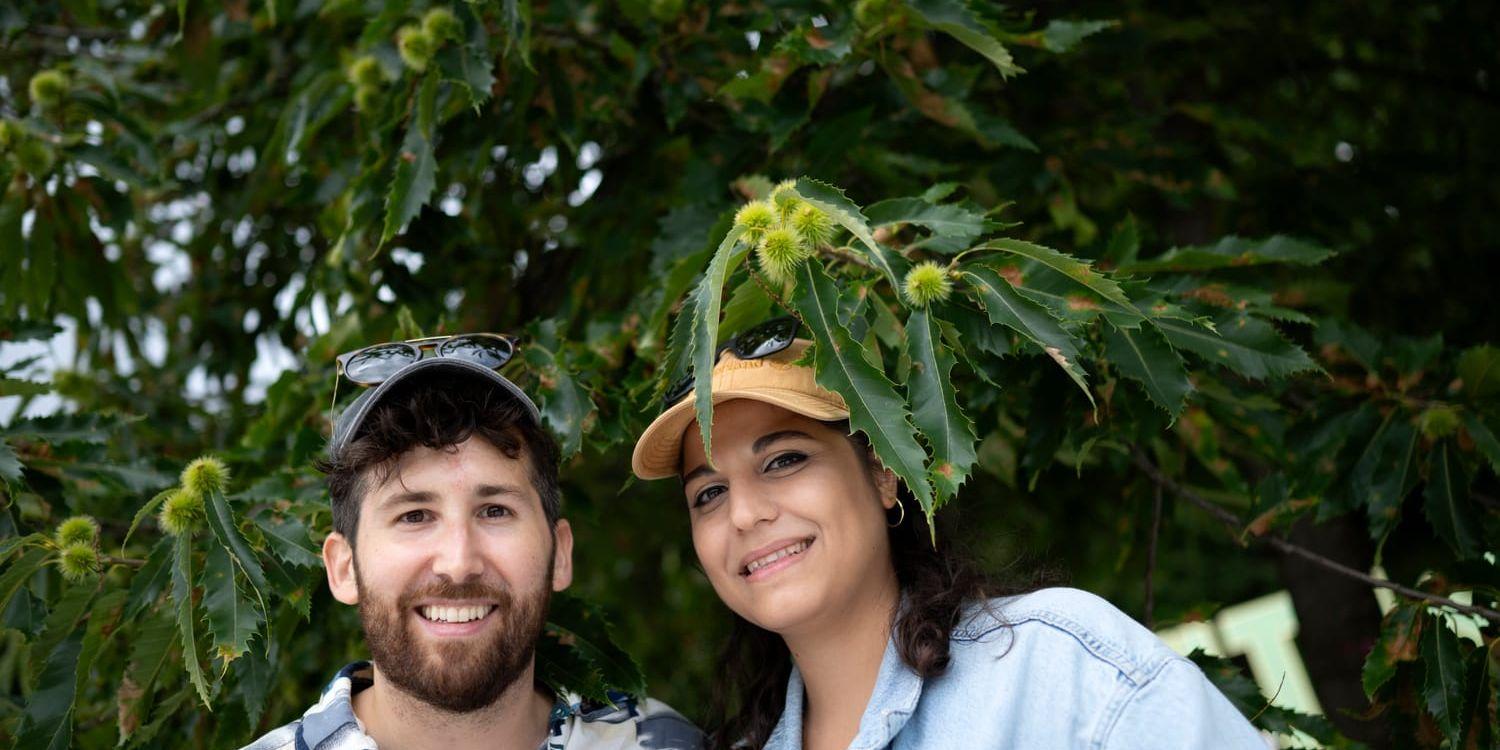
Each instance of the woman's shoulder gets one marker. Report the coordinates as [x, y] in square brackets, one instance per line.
[1065, 622]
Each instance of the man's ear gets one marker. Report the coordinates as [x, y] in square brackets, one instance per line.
[562, 555]
[338, 562]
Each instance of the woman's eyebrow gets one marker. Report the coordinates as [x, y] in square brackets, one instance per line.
[766, 440]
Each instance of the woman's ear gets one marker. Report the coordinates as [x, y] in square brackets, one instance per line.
[886, 484]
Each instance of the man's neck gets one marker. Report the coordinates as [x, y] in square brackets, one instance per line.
[399, 721]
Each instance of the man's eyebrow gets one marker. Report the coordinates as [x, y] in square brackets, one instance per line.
[765, 440]
[410, 496]
[491, 490]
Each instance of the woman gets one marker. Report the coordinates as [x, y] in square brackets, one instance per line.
[853, 631]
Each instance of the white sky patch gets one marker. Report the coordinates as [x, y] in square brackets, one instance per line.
[55, 353]
[173, 266]
[412, 259]
[271, 360]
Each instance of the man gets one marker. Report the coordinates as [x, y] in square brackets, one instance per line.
[448, 539]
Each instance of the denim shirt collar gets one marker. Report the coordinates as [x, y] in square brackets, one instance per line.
[897, 689]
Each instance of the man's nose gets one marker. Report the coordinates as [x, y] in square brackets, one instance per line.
[457, 555]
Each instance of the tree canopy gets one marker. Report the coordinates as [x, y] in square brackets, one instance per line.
[1188, 301]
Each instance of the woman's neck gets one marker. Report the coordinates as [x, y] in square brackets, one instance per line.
[840, 661]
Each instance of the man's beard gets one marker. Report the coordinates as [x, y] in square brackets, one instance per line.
[463, 675]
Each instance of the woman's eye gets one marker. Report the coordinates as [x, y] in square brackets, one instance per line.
[495, 511]
[707, 495]
[784, 460]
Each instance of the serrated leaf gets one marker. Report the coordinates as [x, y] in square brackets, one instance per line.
[1443, 681]
[1061, 36]
[1484, 439]
[62, 429]
[19, 572]
[707, 297]
[954, 17]
[10, 463]
[103, 620]
[145, 511]
[515, 16]
[1008, 308]
[232, 617]
[1479, 708]
[1233, 252]
[187, 615]
[150, 649]
[935, 409]
[416, 165]
[7, 546]
[1143, 355]
[288, 540]
[1448, 507]
[147, 583]
[1073, 268]
[874, 406]
[222, 523]
[583, 628]
[47, 720]
[13, 387]
[565, 402]
[1399, 635]
[960, 224]
[1385, 474]
[1479, 371]
[62, 620]
[1246, 345]
[832, 201]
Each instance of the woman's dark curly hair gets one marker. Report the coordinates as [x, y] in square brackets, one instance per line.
[938, 583]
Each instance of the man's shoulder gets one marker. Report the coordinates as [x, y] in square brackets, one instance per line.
[283, 737]
[626, 722]
[1071, 622]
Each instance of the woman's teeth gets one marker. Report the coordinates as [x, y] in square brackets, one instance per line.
[455, 614]
[762, 562]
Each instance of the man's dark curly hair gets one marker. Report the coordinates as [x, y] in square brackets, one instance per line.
[438, 411]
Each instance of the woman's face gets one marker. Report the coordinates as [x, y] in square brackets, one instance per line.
[789, 523]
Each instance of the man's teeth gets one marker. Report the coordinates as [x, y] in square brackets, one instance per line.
[455, 614]
[762, 562]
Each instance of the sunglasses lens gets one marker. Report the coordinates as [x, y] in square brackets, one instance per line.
[377, 363]
[486, 351]
[765, 340]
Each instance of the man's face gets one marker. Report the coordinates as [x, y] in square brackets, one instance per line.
[453, 568]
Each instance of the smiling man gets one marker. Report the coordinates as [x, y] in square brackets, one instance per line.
[448, 538]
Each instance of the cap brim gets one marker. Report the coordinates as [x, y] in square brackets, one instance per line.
[348, 423]
[658, 452]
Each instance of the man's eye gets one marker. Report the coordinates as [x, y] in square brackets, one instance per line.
[412, 516]
[784, 460]
[495, 511]
[707, 495]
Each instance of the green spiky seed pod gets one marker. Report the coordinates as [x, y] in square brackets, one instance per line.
[365, 72]
[204, 475]
[49, 87]
[416, 47]
[755, 219]
[812, 225]
[77, 530]
[785, 200]
[442, 25]
[181, 512]
[926, 283]
[35, 157]
[78, 562]
[780, 252]
[366, 98]
[1439, 421]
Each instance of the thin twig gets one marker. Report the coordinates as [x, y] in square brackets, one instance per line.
[126, 561]
[766, 287]
[1151, 562]
[1235, 525]
[847, 256]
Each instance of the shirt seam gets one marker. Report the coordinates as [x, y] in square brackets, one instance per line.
[1112, 713]
[1105, 650]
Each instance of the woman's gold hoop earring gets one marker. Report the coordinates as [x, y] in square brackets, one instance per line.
[900, 518]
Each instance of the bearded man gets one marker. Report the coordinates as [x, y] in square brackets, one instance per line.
[447, 536]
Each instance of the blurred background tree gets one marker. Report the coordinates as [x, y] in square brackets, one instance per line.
[203, 203]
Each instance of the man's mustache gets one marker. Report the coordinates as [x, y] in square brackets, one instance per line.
[454, 591]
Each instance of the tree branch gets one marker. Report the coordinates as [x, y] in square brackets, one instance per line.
[1235, 525]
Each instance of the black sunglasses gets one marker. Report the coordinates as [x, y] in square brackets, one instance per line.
[371, 365]
[760, 341]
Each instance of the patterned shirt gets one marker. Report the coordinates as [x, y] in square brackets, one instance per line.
[575, 724]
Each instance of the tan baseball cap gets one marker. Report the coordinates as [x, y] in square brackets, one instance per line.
[772, 379]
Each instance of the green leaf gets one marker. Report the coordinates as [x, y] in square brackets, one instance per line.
[1479, 370]
[1246, 345]
[1443, 683]
[222, 523]
[1143, 355]
[47, 721]
[1484, 439]
[1385, 474]
[1399, 635]
[963, 225]
[582, 628]
[1061, 36]
[1008, 308]
[147, 583]
[63, 429]
[12, 387]
[935, 409]
[63, 619]
[1448, 507]
[515, 18]
[150, 649]
[10, 463]
[1233, 252]
[146, 511]
[288, 539]
[874, 406]
[187, 615]
[707, 297]
[1077, 270]
[837, 205]
[416, 166]
[103, 623]
[7, 546]
[748, 305]
[232, 617]
[19, 572]
[953, 17]
[565, 402]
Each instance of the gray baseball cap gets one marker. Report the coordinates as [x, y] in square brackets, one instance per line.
[346, 427]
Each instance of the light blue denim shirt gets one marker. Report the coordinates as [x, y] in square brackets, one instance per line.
[1070, 671]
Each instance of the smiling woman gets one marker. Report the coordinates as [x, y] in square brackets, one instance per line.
[856, 628]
